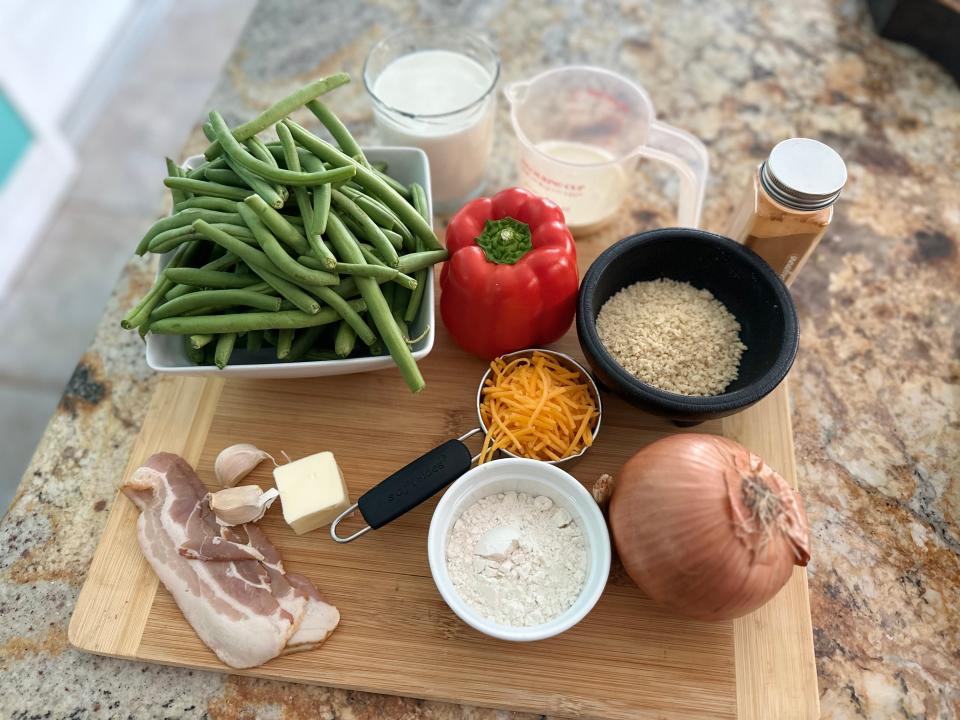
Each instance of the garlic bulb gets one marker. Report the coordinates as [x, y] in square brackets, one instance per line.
[236, 462]
[243, 504]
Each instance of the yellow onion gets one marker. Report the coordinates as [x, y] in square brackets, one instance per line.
[705, 527]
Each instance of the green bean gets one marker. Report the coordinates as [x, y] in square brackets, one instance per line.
[284, 341]
[376, 305]
[397, 187]
[202, 187]
[278, 225]
[237, 152]
[416, 297]
[140, 313]
[174, 170]
[168, 239]
[199, 341]
[303, 342]
[338, 303]
[421, 260]
[378, 272]
[371, 181]
[264, 190]
[225, 177]
[261, 265]
[179, 290]
[194, 355]
[224, 261]
[420, 203]
[281, 109]
[289, 291]
[419, 200]
[292, 161]
[346, 339]
[279, 257]
[179, 220]
[259, 150]
[337, 130]
[215, 299]
[380, 165]
[368, 227]
[377, 211]
[321, 208]
[225, 343]
[254, 340]
[206, 203]
[304, 155]
[370, 255]
[395, 238]
[292, 319]
[209, 278]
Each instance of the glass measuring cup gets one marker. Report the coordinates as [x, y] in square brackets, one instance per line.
[581, 131]
[432, 88]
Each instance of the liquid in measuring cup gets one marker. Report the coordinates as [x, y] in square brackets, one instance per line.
[588, 186]
[439, 100]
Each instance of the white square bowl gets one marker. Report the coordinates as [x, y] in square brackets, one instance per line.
[165, 353]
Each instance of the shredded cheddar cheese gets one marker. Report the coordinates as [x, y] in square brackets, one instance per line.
[536, 408]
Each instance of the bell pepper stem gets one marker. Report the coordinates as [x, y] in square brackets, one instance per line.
[505, 241]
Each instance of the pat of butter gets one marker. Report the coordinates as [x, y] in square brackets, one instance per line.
[312, 491]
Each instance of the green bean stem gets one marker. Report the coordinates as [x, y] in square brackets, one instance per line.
[174, 170]
[345, 340]
[224, 350]
[284, 341]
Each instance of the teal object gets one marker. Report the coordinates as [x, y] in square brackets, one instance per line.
[15, 137]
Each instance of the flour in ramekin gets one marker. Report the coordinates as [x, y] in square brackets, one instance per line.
[517, 559]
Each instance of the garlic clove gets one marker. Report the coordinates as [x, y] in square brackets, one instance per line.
[239, 505]
[236, 462]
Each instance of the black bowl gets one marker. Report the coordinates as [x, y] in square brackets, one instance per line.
[737, 277]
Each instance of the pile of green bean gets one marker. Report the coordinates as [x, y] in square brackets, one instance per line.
[297, 244]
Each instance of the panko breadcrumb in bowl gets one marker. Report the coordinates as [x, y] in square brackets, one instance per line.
[710, 328]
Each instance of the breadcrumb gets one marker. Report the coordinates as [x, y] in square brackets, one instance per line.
[673, 336]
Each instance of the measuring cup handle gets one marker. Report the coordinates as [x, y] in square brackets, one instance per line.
[688, 156]
[411, 485]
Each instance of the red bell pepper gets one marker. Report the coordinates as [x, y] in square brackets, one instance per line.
[511, 280]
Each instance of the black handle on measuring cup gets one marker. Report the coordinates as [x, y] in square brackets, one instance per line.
[411, 485]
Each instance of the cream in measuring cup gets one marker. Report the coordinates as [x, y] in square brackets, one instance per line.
[432, 89]
[580, 133]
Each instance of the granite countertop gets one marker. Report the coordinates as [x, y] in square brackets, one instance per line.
[876, 388]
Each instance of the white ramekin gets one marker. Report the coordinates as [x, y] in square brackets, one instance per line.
[535, 478]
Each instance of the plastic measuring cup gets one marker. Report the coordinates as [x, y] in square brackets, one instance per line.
[581, 131]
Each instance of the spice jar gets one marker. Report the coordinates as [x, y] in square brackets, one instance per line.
[789, 204]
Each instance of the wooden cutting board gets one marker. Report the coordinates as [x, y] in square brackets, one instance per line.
[627, 659]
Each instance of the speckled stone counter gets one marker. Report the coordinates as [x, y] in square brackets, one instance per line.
[876, 388]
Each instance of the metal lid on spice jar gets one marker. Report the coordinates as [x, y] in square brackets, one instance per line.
[803, 174]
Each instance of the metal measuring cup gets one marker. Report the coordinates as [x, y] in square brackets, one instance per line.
[433, 471]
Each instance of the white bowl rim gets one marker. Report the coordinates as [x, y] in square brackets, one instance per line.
[593, 586]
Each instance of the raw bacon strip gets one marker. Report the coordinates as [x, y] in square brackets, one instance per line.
[238, 599]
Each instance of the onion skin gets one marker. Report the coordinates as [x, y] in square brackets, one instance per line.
[683, 525]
